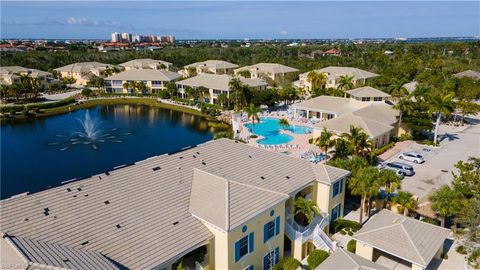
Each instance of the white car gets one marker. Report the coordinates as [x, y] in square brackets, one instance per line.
[412, 157]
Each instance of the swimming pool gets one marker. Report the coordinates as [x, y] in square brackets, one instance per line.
[269, 128]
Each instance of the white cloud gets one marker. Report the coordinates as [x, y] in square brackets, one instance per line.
[283, 33]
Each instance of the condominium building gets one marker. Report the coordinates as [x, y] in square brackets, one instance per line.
[333, 75]
[82, 72]
[266, 70]
[11, 74]
[146, 63]
[365, 108]
[116, 37]
[219, 205]
[216, 85]
[154, 80]
[210, 67]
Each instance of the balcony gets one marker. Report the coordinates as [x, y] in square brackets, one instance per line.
[312, 232]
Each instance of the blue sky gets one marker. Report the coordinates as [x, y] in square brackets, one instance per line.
[240, 19]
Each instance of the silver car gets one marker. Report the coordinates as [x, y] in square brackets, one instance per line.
[412, 157]
[404, 168]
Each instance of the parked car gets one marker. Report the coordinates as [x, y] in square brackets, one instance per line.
[412, 156]
[404, 168]
[397, 171]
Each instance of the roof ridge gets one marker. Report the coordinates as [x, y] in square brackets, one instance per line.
[256, 187]
[351, 259]
[411, 242]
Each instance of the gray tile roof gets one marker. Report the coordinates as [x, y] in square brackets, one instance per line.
[382, 113]
[342, 124]
[144, 63]
[367, 91]
[82, 67]
[336, 72]
[468, 73]
[404, 237]
[145, 75]
[216, 64]
[234, 202]
[336, 105]
[272, 68]
[17, 69]
[410, 86]
[139, 215]
[47, 255]
[344, 260]
[218, 81]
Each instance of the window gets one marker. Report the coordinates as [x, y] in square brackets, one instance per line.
[271, 259]
[336, 212]
[365, 98]
[270, 229]
[250, 267]
[337, 188]
[243, 247]
[377, 99]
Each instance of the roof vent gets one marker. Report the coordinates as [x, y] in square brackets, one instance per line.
[84, 243]
[99, 177]
[203, 163]
[194, 156]
[69, 189]
[175, 223]
[180, 157]
[118, 226]
[106, 202]
[107, 173]
[198, 153]
[249, 156]
[263, 178]
[288, 177]
[86, 195]
[156, 168]
[79, 189]
[26, 219]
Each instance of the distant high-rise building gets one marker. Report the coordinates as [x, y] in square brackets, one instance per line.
[126, 37]
[116, 37]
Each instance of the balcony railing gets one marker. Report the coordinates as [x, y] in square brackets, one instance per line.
[301, 233]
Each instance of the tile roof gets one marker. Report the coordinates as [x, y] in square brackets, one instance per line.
[468, 73]
[218, 81]
[216, 64]
[407, 238]
[344, 260]
[342, 124]
[47, 255]
[233, 201]
[139, 215]
[382, 113]
[82, 67]
[272, 68]
[9, 70]
[367, 91]
[144, 75]
[145, 63]
[336, 72]
[335, 105]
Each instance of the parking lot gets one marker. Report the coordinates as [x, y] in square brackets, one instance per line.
[439, 161]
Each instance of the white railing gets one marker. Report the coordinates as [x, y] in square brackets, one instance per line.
[304, 233]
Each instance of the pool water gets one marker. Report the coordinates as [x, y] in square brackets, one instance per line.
[269, 128]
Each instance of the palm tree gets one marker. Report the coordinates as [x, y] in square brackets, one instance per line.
[406, 202]
[345, 83]
[390, 180]
[396, 89]
[140, 87]
[128, 85]
[440, 104]
[358, 141]
[316, 79]
[236, 89]
[252, 113]
[325, 140]
[446, 201]
[341, 148]
[284, 123]
[202, 91]
[191, 92]
[404, 106]
[364, 184]
[306, 208]
[223, 99]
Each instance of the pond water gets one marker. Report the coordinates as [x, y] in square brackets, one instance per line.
[41, 152]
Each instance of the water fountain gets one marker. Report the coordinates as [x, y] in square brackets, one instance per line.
[90, 134]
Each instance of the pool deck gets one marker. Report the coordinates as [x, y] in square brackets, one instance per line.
[299, 141]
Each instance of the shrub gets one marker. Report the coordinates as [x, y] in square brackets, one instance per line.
[431, 221]
[253, 136]
[341, 224]
[222, 134]
[445, 256]
[287, 263]
[352, 245]
[316, 257]
[12, 109]
[474, 256]
[383, 149]
[343, 232]
[87, 92]
[461, 250]
[50, 105]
